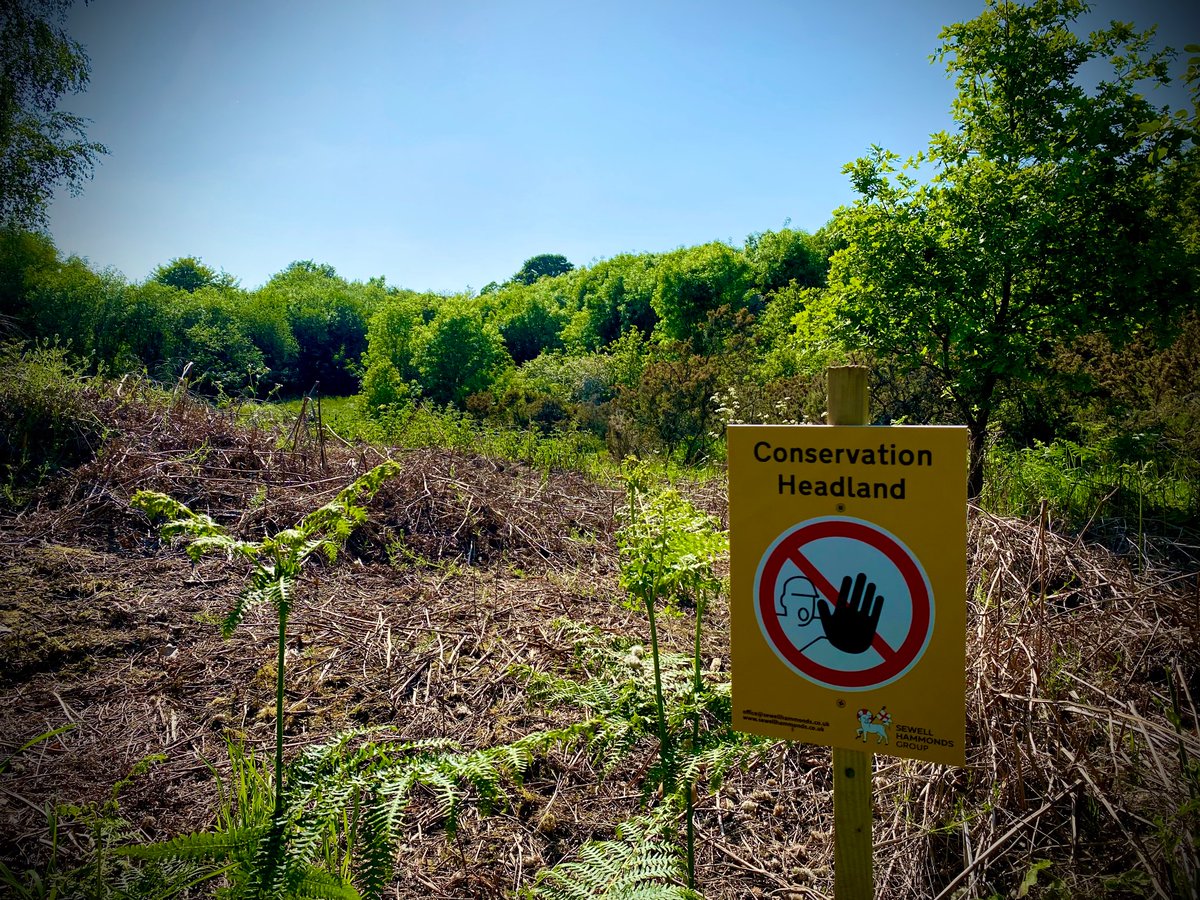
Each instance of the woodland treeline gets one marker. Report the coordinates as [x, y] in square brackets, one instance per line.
[647, 339]
[1033, 274]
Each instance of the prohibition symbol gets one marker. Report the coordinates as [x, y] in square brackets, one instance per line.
[844, 603]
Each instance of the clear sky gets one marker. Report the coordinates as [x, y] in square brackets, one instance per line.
[441, 143]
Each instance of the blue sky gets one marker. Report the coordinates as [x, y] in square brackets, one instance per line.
[440, 144]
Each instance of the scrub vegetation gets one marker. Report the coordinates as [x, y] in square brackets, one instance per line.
[330, 588]
[512, 681]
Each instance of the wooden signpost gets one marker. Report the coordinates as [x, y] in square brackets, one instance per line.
[848, 574]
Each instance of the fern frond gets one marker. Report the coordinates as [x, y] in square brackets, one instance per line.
[392, 796]
[315, 883]
[377, 849]
[638, 863]
[207, 544]
[336, 519]
[711, 764]
[365, 486]
[180, 519]
[339, 757]
[263, 588]
[446, 791]
[150, 881]
[616, 691]
[269, 870]
[323, 544]
[209, 846]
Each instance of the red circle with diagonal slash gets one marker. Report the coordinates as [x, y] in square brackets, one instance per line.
[896, 660]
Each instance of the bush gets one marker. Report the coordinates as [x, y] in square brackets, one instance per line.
[672, 406]
[459, 354]
[694, 282]
[1115, 485]
[45, 422]
[382, 387]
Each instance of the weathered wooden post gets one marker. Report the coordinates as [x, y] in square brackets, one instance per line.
[854, 846]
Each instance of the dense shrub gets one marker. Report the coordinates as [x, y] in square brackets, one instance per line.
[672, 408]
[694, 282]
[45, 419]
[613, 297]
[785, 257]
[459, 354]
[532, 331]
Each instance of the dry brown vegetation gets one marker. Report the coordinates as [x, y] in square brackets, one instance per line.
[1082, 672]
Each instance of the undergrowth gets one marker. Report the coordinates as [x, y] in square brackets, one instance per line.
[334, 830]
[428, 425]
[46, 420]
[1125, 488]
[101, 830]
[630, 693]
[336, 812]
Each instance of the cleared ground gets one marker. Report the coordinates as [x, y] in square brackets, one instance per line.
[1082, 669]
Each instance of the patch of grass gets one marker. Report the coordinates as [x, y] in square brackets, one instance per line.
[1124, 482]
[428, 425]
[46, 422]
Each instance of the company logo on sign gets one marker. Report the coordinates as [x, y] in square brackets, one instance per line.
[844, 603]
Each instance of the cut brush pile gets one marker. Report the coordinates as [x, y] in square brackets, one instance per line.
[1083, 748]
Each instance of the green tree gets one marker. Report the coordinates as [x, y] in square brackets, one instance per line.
[459, 353]
[545, 265]
[693, 283]
[1178, 197]
[84, 309]
[186, 273]
[389, 363]
[40, 145]
[328, 320]
[148, 332]
[1035, 226]
[613, 297]
[24, 257]
[209, 334]
[264, 321]
[531, 321]
[671, 406]
[392, 334]
[779, 258]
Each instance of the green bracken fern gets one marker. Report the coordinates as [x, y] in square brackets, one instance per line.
[668, 551]
[640, 863]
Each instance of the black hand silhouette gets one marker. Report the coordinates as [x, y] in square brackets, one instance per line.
[851, 625]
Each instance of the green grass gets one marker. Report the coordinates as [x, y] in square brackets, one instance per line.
[46, 419]
[425, 425]
[1122, 482]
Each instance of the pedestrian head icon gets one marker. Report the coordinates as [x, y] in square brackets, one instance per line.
[797, 595]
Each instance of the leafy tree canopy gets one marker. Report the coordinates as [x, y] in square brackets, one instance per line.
[530, 323]
[308, 267]
[186, 273]
[40, 146]
[545, 265]
[392, 335]
[1036, 226]
[614, 296]
[779, 258]
[459, 354]
[693, 283]
[23, 256]
[328, 319]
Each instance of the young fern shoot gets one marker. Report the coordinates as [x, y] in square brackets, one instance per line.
[278, 562]
[668, 549]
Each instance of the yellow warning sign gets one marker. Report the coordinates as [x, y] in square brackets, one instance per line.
[848, 579]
